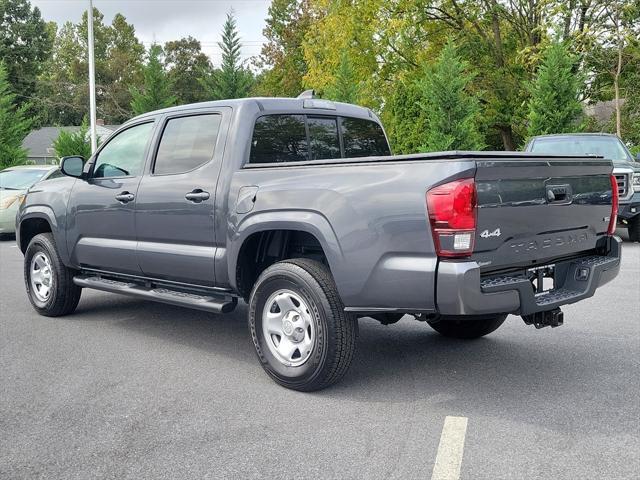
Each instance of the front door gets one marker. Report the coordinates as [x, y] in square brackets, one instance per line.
[101, 211]
[175, 200]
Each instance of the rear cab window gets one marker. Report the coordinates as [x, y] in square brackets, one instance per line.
[363, 138]
[279, 138]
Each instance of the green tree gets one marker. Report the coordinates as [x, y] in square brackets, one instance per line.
[122, 68]
[451, 111]
[232, 80]
[554, 106]
[345, 87]
[156, 91]
[70, 143]
[405, 119]
[14, 125]
[282, 57]
[63, 87]
[25, 43]
[187, 64]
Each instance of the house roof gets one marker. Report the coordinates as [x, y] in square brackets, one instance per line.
[39, 143]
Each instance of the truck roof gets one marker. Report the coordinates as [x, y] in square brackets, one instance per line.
[275, 104]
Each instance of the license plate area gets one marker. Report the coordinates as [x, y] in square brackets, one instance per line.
[542, 278]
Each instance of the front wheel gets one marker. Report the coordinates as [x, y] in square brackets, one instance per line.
[48, 281]
[467, 328]
[303, 337]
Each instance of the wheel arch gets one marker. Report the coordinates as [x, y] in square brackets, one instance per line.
[34, 221]
[309, 230]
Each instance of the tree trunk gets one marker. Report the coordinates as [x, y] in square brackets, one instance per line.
[567, 19]
[507, 137]
[506, 133]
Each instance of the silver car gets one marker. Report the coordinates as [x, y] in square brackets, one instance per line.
[14, 183]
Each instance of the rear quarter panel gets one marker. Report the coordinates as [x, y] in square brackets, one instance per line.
[370, 219]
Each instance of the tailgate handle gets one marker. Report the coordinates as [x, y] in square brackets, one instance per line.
[561, 194]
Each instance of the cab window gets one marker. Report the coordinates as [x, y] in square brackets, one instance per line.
[124, 155]
[363, 138]
[187, 143]
[279, 138]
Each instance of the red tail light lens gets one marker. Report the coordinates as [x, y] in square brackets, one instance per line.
[452, 214]
[613, 219]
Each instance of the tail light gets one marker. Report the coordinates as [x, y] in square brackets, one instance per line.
[452, 214]
[613, 219]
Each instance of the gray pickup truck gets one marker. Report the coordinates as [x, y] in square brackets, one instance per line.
[297, 207]
[626, 169]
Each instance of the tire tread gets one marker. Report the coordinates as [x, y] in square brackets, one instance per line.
[67, 293]
[345, 325]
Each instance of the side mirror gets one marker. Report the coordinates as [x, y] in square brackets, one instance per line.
[72, 166]
[638, 156]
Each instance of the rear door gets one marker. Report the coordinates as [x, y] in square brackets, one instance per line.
[534, 210]
[175, 200]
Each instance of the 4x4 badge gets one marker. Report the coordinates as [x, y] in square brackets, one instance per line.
[487, 234]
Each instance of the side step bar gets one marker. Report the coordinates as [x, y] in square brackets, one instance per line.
[208, 303]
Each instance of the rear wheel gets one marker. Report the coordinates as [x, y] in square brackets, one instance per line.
[634, 229]
[48, 281]
[302, 336]
[468, 328]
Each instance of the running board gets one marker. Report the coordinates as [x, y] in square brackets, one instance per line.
[208, 303]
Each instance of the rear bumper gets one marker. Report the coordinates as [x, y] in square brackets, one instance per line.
[461, 290]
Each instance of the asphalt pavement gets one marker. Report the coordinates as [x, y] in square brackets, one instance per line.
[129, 389]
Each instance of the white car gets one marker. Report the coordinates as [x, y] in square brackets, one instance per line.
[14, 183]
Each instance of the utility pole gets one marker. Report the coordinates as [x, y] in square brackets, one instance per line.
[92, 82]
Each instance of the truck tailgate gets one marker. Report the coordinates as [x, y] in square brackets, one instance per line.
[533, 211]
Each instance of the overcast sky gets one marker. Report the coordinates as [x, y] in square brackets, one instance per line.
[164, 20]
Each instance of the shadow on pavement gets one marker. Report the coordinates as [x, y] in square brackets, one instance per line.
[512, 373]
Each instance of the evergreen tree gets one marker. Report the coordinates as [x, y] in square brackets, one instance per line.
[232, 80]
[405, 117]
[345, 86]
[451, 111]
[554, 106]
[156, 90]
[14, 125]
[73, 143]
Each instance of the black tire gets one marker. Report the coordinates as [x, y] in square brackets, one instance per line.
[467, 329]
[335, 331]
[64, 295]
[634, 229]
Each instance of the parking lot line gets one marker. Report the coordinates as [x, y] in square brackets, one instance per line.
[450, 449]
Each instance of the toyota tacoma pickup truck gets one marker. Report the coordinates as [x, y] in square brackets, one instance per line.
[626, 169]
[297, 207]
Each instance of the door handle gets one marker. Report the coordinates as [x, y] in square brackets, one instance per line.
[125, 197]
[198, 195]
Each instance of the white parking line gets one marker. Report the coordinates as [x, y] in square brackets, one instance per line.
[450, 449]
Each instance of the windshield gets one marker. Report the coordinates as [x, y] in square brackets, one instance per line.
[20, 179]
[608, 147]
